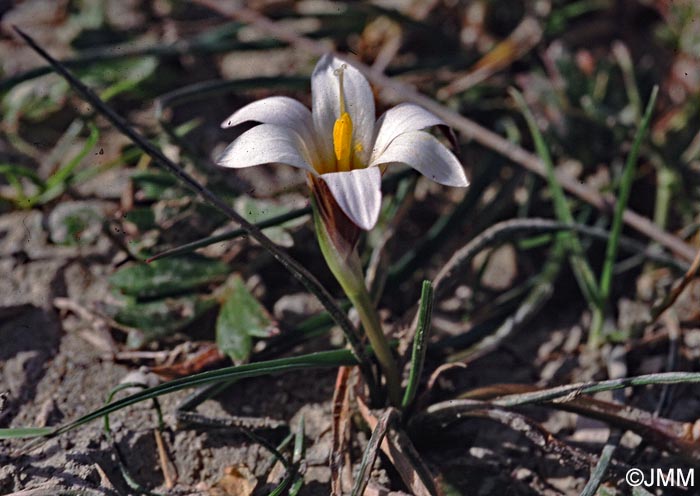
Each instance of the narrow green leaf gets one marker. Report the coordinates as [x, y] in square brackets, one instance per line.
[420, 340]
[56, 184]
[298, 456]
[22, 171]
[235, 233]
[241, 318]
[167, 277]
[323, 359]
[299, 446]
[623, 197]
[61, 175]
[596, 333]
[579, 264]
[598, 473]
[25, 432]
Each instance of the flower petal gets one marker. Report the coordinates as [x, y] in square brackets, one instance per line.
[277, 110]
[427, 155]
[358, 194]
[398, 120]
[325, 108]
[264, 144]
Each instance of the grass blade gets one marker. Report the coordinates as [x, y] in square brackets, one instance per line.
[622, 199]
[298, 456]
[232, 234]
[420, 340]
[321, 359]
[598, 472]
[56, 184]
[579, 264]
[25, 432]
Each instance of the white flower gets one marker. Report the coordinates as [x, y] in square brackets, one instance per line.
[339, 142]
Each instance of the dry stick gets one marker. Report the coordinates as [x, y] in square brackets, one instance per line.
[297, 270]
[564, 393]
[523, 39]
[536, 434]
[166, 465]
[675, 332]
[670, 435]
[340, 427]
[396, 91]
[397, 446]
[372, 450]
[675, 292]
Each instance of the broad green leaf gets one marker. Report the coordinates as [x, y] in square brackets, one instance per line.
[241, 318]
[142, 217]
[158, 319]
[168, 276]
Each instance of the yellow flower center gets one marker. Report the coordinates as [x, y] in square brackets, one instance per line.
[342, 133]
[342, 141]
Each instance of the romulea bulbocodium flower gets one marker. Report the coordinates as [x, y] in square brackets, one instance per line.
[339, 143]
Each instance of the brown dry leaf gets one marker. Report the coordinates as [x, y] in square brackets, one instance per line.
[403, 455]
[237, 481]
[206, 359]
[524, 38]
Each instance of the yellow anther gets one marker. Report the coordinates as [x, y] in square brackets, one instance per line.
[342, 130]
[342, 142]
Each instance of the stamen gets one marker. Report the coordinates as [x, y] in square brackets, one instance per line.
[342, 141]
[342, 130]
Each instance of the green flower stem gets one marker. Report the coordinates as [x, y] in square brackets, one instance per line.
[345, 265]
[370, 322]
